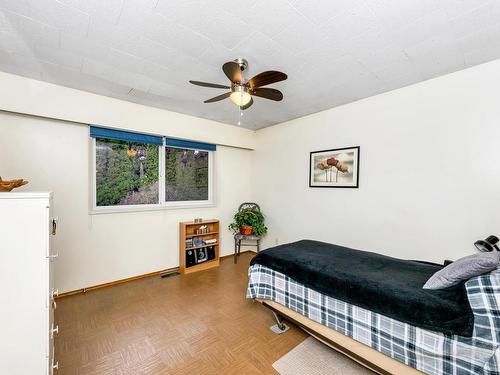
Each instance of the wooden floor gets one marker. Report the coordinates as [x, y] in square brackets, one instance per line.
[190, 324]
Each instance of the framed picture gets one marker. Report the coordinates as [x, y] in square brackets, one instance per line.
[337, 168]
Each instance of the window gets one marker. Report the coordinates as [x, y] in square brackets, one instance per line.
[186, 175]
[136, 172]
[126, 173]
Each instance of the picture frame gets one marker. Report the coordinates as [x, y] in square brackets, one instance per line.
[334, 168]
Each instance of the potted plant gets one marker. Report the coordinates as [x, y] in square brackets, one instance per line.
[249, 221]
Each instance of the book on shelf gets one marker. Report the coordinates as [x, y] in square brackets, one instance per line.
[198, 241]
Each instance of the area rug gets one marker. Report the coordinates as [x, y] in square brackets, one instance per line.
[311, 357]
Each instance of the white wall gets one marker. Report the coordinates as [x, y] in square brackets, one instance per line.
[429, 177]
[54, 155]
[29, 96]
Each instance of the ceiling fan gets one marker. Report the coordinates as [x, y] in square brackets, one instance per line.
[242, 91]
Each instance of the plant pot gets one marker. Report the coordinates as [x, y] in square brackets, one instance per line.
[246, 230]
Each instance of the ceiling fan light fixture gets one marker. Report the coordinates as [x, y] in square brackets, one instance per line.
[242, 91]
[240, 95]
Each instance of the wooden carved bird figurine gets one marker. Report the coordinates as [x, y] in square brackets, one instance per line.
[8, 185]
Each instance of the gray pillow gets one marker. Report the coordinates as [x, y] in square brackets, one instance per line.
[463, 269]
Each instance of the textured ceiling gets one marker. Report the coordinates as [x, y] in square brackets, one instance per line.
[334, 51]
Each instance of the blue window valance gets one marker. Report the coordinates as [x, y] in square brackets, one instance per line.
[121, 135]
[181, 143]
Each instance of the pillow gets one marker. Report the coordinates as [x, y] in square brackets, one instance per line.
[463, 269]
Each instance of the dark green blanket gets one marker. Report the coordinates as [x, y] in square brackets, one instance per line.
[385, 285]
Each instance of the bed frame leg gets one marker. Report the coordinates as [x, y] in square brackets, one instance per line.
[280, 327]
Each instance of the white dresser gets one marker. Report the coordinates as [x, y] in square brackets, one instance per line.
[27, 256]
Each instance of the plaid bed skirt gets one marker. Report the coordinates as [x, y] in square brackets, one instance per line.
[430, 352]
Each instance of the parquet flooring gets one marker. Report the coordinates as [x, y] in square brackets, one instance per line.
[190, 324]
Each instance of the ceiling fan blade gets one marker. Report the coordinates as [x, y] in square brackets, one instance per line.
[243, 107]
[266, 78]
[206, 84]
[217, 98]
[233, 72]
[267, 93]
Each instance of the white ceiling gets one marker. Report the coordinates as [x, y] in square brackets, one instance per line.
[334, 51]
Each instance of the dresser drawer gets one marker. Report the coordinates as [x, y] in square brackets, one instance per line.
[53, 363]
[52, 332]
[51, 291]
[52, 329]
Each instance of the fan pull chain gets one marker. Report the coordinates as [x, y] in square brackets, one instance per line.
[241, 99]
[241, 112]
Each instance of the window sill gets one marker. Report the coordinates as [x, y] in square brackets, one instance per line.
[119, 210]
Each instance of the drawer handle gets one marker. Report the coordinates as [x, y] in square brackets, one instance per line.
[53, 256]
[55, 366]
[54, 226]
[54, 330]
[53, 294]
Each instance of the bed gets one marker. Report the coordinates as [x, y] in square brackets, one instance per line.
[373, 308]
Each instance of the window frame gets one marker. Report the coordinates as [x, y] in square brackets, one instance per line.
[210, 202]
[163, 204]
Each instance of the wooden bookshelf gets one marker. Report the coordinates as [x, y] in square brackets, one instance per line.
[188, 232]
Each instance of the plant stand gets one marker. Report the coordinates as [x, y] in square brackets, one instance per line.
[237, 244]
